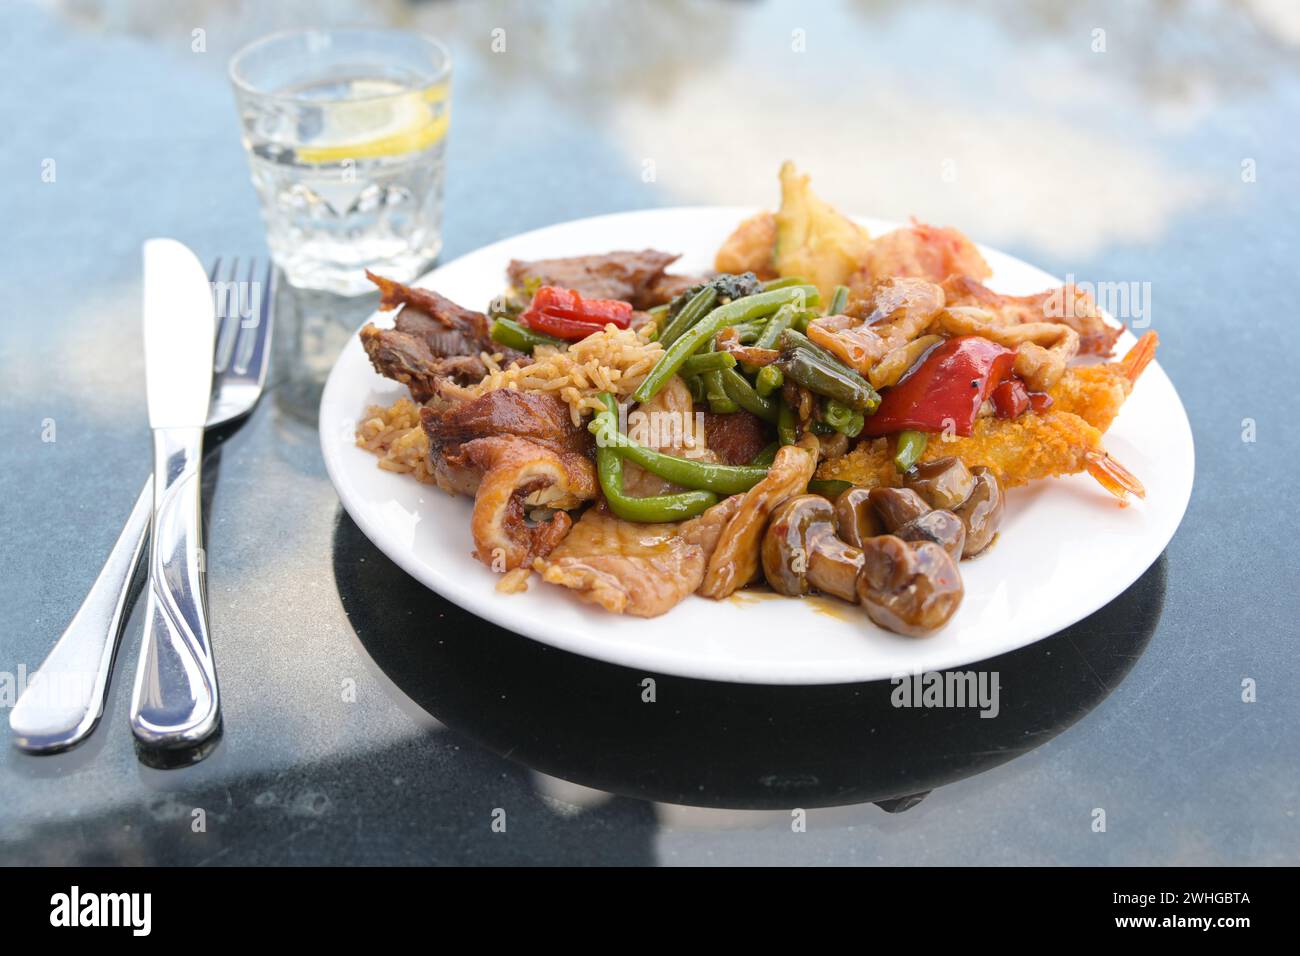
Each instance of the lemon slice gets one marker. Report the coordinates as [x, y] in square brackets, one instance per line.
[392, 126]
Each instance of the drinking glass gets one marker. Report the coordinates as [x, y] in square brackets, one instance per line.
[346, 135]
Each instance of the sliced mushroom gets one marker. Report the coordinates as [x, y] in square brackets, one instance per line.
[855, 518]
[801, 551]
[944, 482]
[897, 506]
[942, 527]
[911, 589]
[981, 513]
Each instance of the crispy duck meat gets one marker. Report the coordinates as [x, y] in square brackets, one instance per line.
[635, 277]
[433, 338]
[514, 451]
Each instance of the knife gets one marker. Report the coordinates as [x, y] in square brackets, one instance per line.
[175, 702]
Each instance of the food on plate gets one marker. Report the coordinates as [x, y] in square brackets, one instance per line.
[828, 413]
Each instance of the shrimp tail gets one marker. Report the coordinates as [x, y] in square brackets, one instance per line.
[1139, 356]
[1113, 476]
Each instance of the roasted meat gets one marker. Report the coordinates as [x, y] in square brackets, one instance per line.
[635, 277]
[513, 451]
[639, 569]
[432, 338]
[540, 418]
[736, 438]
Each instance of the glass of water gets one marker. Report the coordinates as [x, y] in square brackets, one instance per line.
[346, 135]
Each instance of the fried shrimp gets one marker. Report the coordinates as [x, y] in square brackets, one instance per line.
[1018, 451]
[1096, 392]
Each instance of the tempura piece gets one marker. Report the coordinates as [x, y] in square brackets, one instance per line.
[921, 251]
[1018, 451]
[750, 248]
[813, 239]
[1096, 392]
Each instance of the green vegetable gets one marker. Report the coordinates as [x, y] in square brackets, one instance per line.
[512, 335]
[765, 457]
[741, 310]
[691, 312]
[911, 445]
[769, 380]
[839, 299]
[775, 326]
[696, 386]
[700, 475]
[844, 418]
[783, 283]
[830, 488]
[707, 362]
[787, 424]
[609, 470]
[742, 393]
[833, 381]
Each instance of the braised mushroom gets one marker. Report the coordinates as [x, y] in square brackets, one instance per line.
[944, 482]
[855, 518]
[909, 588]
[942, 527]
[981, 513]
[897, 506]
[801, 551]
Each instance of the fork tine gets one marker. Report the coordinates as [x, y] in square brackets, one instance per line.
[252, 350]
[228, 318]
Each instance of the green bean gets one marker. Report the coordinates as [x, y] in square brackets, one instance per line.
[839, 299]
[609, 471]
[787, 424]
[694, 310]
[793, 339]
[765, 457]
[696, 386]
[707, 362]
[783, 283]
[844, 418]
[910, 447]
[777, 324]
[832, 381]
[699, 475]
[830, 488]
[512, 335]
[719, 401]
[769, 380]
[748, 333]
[742, 393]
[733, 313]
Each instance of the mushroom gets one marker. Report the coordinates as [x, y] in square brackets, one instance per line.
[942, 527]
[908, 588]
[944, 482]
[855, 519]
[897, 506]
[801, 551]
[981, 513]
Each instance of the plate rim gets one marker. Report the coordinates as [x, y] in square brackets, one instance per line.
[675, 664]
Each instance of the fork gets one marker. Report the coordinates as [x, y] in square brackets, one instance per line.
[64, 698]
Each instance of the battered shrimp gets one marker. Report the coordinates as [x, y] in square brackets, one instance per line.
[1018, 451]
[1096, 392]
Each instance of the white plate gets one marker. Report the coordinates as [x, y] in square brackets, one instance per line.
[1066, 547]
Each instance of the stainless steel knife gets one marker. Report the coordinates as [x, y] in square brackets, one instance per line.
[175, 702]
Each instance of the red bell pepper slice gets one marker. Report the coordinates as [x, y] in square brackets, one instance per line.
[946, 390]
[1011, 398]
[565, 314]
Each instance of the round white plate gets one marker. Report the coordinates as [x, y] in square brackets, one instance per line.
[1065, 550]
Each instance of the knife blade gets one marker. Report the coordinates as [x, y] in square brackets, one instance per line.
[175, 702]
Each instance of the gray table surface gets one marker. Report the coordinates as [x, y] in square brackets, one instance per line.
[1167, 157]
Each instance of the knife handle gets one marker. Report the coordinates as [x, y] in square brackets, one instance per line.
[175, 702]
[65, 697]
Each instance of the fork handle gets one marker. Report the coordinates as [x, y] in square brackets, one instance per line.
[64, 699]
[175, 702]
